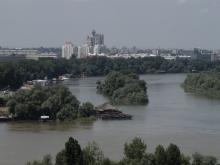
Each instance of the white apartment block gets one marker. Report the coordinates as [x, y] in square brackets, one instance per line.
[67, 50]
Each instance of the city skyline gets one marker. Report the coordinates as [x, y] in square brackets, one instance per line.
[141, 23]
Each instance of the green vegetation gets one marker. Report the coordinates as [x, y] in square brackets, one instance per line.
[207, 84]
[124, 88]
[14, 74]
[135, 153]
[57, 102]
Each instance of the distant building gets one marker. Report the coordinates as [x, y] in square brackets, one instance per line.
[215, 57]
[16, 52]
[21, 54]
[97, 49]
[94, 45]
[95, 39]
[42, 55]
[83, 51]
[203, 54]
[68, 50]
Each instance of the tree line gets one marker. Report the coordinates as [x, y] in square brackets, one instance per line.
[135, 153]
[124, 88]
[205, 83]
[14, 74]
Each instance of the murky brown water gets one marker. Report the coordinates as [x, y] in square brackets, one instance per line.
[190, 121]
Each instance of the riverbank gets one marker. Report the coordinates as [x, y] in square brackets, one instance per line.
[205, 84]
[93, 66]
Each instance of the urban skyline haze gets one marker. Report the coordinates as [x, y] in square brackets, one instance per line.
[141, 23]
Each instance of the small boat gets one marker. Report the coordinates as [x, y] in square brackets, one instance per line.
[44, 118]
[62, 78]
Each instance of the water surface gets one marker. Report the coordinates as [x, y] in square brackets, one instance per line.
[172, 116]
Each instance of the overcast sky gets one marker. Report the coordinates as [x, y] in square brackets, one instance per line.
[143, 23]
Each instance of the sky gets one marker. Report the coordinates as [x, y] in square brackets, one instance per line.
[140, 23]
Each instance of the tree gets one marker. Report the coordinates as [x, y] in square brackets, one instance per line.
[67, 113]
[135, 150]
[173, 155]
[197, 159]
[185, 160]
[135, 153]
[57, 102]
[73, 152]
[124, 88]
[61, 158]
[86, 110]
[148, 159]
[160, 155]
[47, 160]
[93, 155]
[207, 84]
[210, 160]
[2, 101]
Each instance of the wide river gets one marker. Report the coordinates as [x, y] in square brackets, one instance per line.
[172, 116]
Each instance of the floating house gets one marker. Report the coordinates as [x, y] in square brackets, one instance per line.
[107, 111]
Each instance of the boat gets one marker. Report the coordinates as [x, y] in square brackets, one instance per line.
[107, 111]
[62, 78]
[44, 118]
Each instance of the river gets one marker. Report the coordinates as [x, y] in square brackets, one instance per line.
[172, 116]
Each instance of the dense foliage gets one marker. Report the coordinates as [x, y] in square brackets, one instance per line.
[14, 74]
[57, 102]
[124, 88]
[207, 83]
[135, 154]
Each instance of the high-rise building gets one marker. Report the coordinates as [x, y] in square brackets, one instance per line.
[68, 50]
[98, 39]
[97, 49]
[95, 41]
[83, 51]
[94, 45]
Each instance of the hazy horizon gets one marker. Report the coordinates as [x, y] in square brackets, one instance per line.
[140, 23]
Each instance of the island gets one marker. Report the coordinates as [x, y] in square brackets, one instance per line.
[205, 83]
[124, 88]
[54, 102]
[50, 103]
